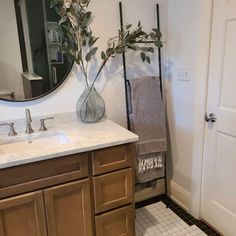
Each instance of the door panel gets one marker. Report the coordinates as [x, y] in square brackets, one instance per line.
[219, 189]
[119, 222]
[23, 215]
[113, 190]
[227, 98]
[68, 209]
[224, 184]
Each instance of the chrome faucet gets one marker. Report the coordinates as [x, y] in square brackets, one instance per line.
[29, 129]
[12, 131]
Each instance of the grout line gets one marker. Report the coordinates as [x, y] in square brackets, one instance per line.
[154, 219]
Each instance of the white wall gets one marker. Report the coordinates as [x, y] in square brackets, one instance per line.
[111, 84]
[10, 59]
[183, 48]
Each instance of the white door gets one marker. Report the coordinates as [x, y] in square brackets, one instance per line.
[218, 205]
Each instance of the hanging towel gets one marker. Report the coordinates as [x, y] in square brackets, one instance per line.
[147, 119]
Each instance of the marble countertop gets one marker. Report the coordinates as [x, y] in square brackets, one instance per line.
[82, 137]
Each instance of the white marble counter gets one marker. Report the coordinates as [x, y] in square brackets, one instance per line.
[82, 137]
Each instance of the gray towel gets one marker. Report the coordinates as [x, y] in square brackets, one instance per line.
[148, 121]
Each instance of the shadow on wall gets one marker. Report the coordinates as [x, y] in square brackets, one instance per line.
[172, 172]
[112, 69]
[178, 133]
[137, 68]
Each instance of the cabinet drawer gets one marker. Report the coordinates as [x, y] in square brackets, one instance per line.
[119, 222]
[110, 159]
[42, 174]
[113, 190]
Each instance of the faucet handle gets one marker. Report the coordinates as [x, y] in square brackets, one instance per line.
[12, 131]
[42, 123]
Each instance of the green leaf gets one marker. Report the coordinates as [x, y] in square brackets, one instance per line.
[158, 44]
[158, 33]
[103, 55]
[133, 47]
[80, 55]
[143, 56]
[153, 36]
[62, 20]
[84, 42]
[88, 14]
[139, 24]
[90, 54]
[148, 59]
[109, 51]
[150, 49]
[85, 19]
[92, 41]
[128, 26]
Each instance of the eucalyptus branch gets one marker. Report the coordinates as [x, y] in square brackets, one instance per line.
[75, 20]
[100, 70]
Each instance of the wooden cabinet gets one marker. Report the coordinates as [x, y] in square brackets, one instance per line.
[39, 175]
[23, 215]
[110, 159]
[88, 194]
[68, 209]
[118, 222]
[113, 190]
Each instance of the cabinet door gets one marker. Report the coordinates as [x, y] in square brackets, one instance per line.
[23, 215]
[119, 222]
[68, 209]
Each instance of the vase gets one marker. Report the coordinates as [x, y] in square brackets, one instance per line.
[90, 107]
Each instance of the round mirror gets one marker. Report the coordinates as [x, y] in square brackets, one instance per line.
[32, 62]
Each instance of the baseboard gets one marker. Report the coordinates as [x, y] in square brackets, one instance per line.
[180, 196]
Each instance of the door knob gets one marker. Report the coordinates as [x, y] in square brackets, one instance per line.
[210, 118]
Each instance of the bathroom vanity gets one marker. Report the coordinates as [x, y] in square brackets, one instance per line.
[83, 187]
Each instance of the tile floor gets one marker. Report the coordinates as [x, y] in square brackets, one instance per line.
[157, 220]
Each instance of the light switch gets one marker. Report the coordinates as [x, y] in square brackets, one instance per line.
[182, 74]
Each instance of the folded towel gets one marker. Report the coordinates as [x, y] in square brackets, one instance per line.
[149, 162]
[147, 119]
[149, 167]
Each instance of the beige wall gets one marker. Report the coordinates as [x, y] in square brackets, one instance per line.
[183, 51]
[111, 84]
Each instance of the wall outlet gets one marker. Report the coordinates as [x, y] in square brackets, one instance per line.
[182, 74]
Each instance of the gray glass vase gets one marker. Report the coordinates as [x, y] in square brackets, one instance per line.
[90, 107]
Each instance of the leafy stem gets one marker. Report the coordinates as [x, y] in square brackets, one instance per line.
[79, 42]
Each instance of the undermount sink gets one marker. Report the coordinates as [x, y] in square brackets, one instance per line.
[33, 141]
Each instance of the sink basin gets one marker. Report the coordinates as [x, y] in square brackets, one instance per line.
[33, 141]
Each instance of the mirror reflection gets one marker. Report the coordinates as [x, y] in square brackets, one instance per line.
[31, 59]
